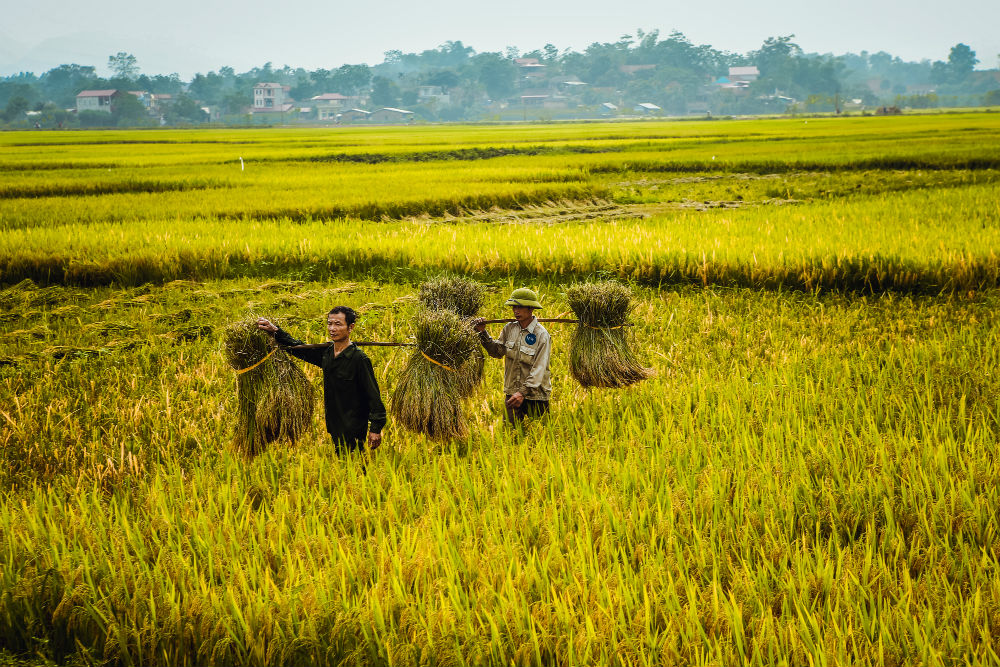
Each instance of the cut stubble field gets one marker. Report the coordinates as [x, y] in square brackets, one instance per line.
[809, 476]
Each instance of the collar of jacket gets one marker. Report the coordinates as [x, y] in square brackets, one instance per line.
[532, 325]
[349, 350]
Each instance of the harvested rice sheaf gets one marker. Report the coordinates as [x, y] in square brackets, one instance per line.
[428, 394]
[463, 297]
[601, 354]
[274, 397]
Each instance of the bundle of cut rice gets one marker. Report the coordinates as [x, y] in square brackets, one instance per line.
[428, 394]
[600, 353]
[463, 297]
[274, 397]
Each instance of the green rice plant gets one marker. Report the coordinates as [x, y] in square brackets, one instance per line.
[274, 397]
[428, 394]
[463, 297]
[601, 353]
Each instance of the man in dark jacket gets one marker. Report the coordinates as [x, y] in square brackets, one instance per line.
[355, 413]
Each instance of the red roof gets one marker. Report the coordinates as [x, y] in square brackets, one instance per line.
[97, 93]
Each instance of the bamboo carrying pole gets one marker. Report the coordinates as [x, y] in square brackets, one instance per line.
[373, 343]
[557, 320]
[318, 346]
[560, 320]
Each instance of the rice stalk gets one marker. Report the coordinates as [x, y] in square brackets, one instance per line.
[601, 354]
[463, 297]
[274, 398]
[428, 394]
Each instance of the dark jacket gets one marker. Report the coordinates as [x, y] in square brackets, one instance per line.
[350, 391]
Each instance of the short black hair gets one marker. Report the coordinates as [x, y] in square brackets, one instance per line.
[349, 315]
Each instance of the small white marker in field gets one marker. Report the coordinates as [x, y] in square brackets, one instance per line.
[241, 164]
[713, 157]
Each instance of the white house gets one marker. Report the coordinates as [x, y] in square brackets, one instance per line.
[391, 115]
[96, 100]
[271, 97]
[354, 116]
[328, 105]
[744, 74]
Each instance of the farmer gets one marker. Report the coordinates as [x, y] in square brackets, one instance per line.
[525, 346]
[355, 413]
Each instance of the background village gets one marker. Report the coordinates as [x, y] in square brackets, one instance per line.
[634, 77]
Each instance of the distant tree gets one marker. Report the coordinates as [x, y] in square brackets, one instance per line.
[304, 87]
[237, 101]
[349, 79]
[185, 109]
[11, 90]
[408, 98]
[496, 73]
[128, 111]
[385, 93]
[940, 72]
[53, 115]
[446, 78]
[15, 109]
[775, 59]
[94, 118]
[455, 54]
[165, 84]
[61, 84]
[123, 65]
[209, 88]
[961, 61]
[992, 98]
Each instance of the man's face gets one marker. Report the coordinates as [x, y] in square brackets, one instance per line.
[337, 327]
[521, 313]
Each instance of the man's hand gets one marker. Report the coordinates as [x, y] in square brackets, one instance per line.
[516, 400]
[374, 440]
[479, 324]
[265, 324]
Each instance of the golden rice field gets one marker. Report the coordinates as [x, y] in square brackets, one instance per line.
[810, 477]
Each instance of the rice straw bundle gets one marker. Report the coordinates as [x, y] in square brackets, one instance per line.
[463, 297]
[600, 354]
[274, 397]
[428, 394]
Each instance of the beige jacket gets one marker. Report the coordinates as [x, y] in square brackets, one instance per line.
[525, 364]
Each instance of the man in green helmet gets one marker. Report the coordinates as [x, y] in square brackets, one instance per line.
[525, 346]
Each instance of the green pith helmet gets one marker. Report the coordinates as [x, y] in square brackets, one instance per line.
[523, 297]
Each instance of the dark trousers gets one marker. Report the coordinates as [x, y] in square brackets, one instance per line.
[347, 445]
[528, 408]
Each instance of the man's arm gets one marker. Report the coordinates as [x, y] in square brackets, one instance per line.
[284, 339]
[376, 409]
[494, 348]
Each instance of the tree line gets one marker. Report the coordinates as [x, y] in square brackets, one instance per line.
[669, 71]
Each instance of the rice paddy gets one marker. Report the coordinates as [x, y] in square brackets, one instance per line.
[808, 476]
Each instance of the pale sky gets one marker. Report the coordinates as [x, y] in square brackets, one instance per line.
[188, 36]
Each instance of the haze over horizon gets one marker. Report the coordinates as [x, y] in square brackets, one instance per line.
[188, 36]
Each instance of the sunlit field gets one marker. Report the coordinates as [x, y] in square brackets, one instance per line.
[809, 477]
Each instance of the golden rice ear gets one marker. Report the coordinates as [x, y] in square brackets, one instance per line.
[459, 295]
